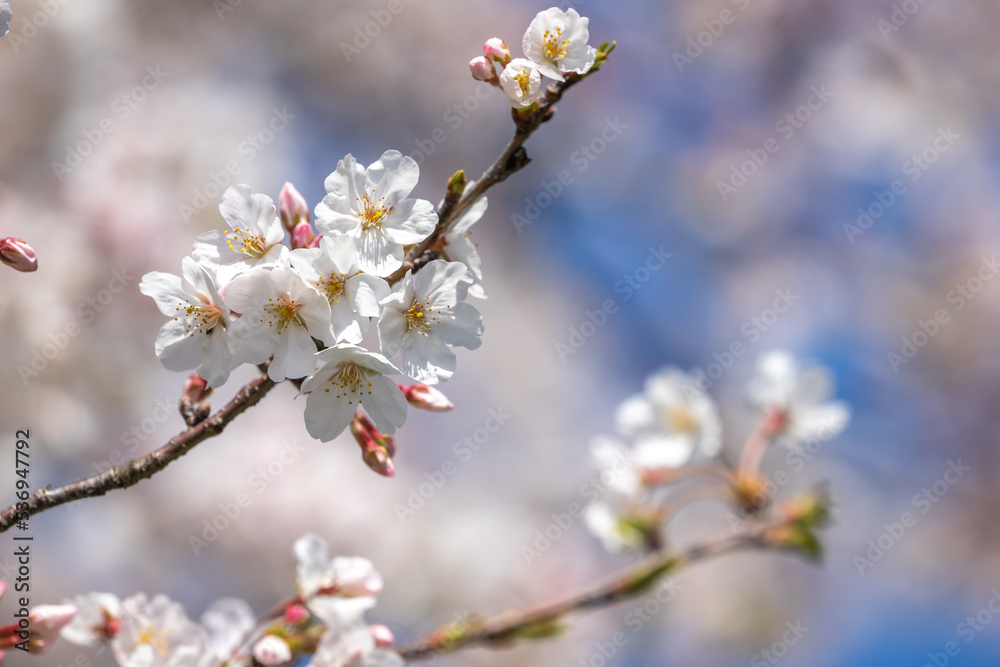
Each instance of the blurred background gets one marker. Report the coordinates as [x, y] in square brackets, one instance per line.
[844, 152]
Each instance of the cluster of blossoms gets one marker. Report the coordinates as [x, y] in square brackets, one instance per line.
[245, 296]
[554, 45]
[325, 620]
[673, 429]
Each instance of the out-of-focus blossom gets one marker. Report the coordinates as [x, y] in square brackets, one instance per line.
[522, 83]
[17, 254]
[302, 235]
[352, 645]
[458, 245]
[254, 237]
[671, 422]
[337, 590]
[158, 633]
[98, 619]
[351, 377]
[427, 398]
[197, 335]
[333, 269]
[556, 41]
[281, 314]
[227, 621]
[292, 207]
[382, 635]
[45, 623]
[428, 316]
[797, 399]
[372, 207]
[271, 651]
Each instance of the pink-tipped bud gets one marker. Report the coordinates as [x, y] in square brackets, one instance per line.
[496, 49]
[382, 636]
[196, 389]
[302, 235]
[426, 398]
[296, 614]
[292, 207]
[482, 69]
[18, 255]
[271, 651]
[315, 241]
[45, 622]
[377, 449]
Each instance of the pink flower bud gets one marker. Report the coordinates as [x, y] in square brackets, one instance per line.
[377, 449]
[426, 398]
[482, 69]
[271, 651]
[196, 389]
[296, 614]
[382, 636]
[315, 241]
[18, 255]
[292, 207]
[302, 235]
[45, 622]
[496, 49]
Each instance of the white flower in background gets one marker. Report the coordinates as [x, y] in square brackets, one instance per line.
[608, 523]
[227, 622]
[522, 83]
[352, 646]
[158, 633]
[371, 207]
[556, 41]
[272, 651]
[280, 315]
[332, 268]
[254, 237]
[799, 397]
[45, 622]
[427, 316]
[621, 518]
[5, 17]
[460, 248]
[197, 336]
[97, 620]
[337, 590]
[671, 422]
[352, 377]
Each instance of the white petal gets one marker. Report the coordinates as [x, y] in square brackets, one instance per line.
[392, 327]
[176, 349]
[393, 176]
[386, 405]
[166, 290]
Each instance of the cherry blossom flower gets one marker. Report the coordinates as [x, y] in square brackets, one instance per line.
[158, 633]
[332, 268]
[254, 237]
[799, 397]
[671, 422]
[522, 82]
[197, 336]
[428, 316]
[460, 248]
[272, 651]
[337, 590]
[352, 645]
[45, 623]
[371, 206]
[280, 315]
[98, 619]
[556, 41]
[227, 621]
[623, 517]
[352, 377]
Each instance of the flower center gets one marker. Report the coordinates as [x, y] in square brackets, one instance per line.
[332, 286]
[246, 242]
[421, 317]
[281, 311]
[351, 382]
[523, 79]
[555, 48]
[373, 211]
[680, 420]
[199, 318]
[155, 638]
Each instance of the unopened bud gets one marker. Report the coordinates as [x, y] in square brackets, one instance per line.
[18, 255]
[302, 235]
[315, 241]
[426, 398]
[296, 614]
[457, 183]
[382, 636]
[292, 207]
[271, 651]
[496, 49]
[45, 622]
[482, 69]
[196, 388]
[377, 449]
